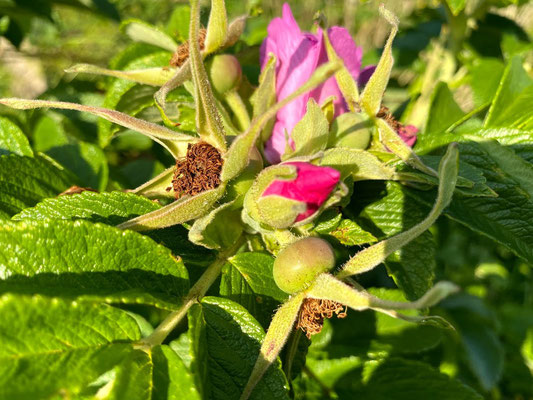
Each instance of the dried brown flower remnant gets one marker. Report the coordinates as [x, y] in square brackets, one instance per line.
[385, 113]
[313, 312]
[75, 190]
[198, 171]
[182, 53]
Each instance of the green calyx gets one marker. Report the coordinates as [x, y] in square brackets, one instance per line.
[298, 264]
[351, 130]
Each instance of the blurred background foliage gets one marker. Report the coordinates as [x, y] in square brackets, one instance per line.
[462, 43]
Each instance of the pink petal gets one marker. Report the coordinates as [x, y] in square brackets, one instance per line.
[297, 57]
[408, 134]
[365, 75]
[313, 185]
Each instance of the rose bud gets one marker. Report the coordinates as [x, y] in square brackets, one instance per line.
[310, 189]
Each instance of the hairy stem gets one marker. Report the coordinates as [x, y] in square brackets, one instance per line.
[195, 293]
[238, 107]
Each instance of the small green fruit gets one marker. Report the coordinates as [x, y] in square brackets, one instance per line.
[298, 264]
[225, 73]
[350, 130]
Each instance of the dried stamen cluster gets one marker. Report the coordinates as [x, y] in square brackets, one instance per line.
[182, 53]
[314, 311]
[385, 114]
[198, 171]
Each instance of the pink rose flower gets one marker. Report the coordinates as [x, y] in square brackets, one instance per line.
[298, 55]
[312, 186]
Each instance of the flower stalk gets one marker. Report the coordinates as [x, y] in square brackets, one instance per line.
[198, 290]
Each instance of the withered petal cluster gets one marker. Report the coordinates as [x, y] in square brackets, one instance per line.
[182, 52]
[198, 171]
[314, 311]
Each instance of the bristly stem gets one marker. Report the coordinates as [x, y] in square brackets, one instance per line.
[195, 293]
[238, 107]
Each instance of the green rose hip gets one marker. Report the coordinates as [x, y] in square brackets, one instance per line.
[298, 264]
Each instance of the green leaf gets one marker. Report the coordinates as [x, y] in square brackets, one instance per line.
[475, 324]
[310, 134]
[171, 378]
[485, 76]
[351, 234]
[24, 181]
[413, 266]
[87, 161]
[514, 80]
[12, 140]
[444, 110]
[158, 374]
[89, 261]
[140, 31]
[247, 279]
[230, 341]
[51, 346]
[508, 218]
[219, 229]
[406, 379]
[110, 208]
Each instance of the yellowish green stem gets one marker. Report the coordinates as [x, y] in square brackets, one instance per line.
[196, 293]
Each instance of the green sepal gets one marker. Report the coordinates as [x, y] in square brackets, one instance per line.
[251, 213]
[147, 76]
[397, 146]
[347, 84]
[164, 136]
[183, 74]
[157, 186]
[219, 229]
[185, 209]
[328, 287]
[264, 96]
[275, 338]
[376, 254]
[352, 130]
[237, 188]
[217, 28]
[238, 155]
[208, 121]
[310, 134]
[279, 212]
[359, 164]
[374, 89]
[140, 31]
